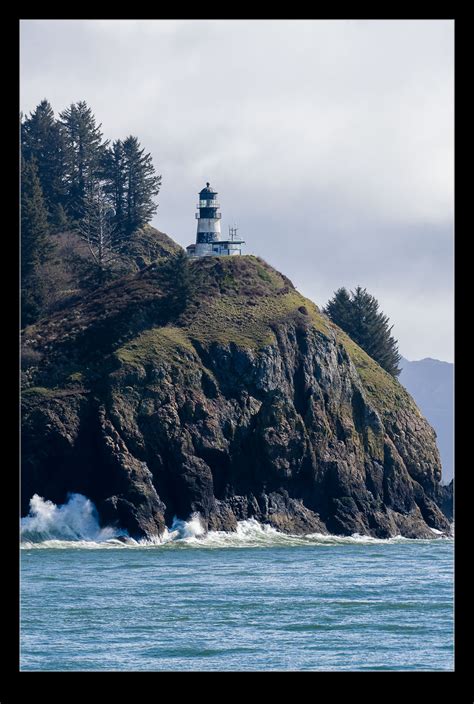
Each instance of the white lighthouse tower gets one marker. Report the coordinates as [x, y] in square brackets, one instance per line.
[208, 237]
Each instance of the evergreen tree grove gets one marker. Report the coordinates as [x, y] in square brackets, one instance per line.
[359, 316]
[71, 156]
[84, 155]
[75, 185]
[42, 138]
[35, 241]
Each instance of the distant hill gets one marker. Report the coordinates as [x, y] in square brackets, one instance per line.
[430, 382]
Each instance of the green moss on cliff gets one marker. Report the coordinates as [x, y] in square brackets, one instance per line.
[38, 391]
[386, 393]
[243, 299]
[239, 300]
[42, 392]
[246, 323]
[76, 376]
[160, 344]
[247, 275]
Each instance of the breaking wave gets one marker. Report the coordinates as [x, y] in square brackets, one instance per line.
[75, 524]
[75, 521]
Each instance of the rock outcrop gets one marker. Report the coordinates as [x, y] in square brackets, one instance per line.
[247, 402]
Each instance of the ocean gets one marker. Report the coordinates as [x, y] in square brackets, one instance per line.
[254, 600]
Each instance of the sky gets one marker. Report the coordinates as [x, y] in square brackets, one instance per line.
[330, 142]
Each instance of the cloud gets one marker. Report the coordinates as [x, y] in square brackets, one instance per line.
[330, 142]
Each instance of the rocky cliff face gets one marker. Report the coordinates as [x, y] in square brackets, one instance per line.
[249, 403]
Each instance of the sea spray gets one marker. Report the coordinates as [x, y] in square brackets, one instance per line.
[75, 524]
[181, 530]
[75, 520]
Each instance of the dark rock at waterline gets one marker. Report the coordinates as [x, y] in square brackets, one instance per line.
[249, 403]
[445, 498]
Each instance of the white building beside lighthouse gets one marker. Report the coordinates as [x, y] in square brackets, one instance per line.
[209, 242]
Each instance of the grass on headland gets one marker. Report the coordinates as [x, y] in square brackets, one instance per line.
[386, 392]
[240, 300]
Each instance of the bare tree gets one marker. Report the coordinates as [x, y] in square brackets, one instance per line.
[98, 230]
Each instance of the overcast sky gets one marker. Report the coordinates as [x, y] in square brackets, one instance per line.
[330, 142]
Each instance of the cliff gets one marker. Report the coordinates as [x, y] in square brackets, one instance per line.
[245, 402]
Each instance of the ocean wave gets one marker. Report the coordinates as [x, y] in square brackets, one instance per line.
[75, 521]
[75, 524]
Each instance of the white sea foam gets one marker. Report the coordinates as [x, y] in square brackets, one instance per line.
[77, 520]
[76, 525]
[184, 530]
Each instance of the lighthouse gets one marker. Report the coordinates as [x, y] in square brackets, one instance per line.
[209, 242]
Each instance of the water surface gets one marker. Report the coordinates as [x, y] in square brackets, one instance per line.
[255, 600]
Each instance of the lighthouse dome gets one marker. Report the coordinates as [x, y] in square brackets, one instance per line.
[207, 191]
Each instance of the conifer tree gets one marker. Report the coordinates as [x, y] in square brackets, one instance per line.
[35, 241]
[339, 308]
[141, 184]
[359, 316]
[84, 156]
[115, 180]
[42, 138]
[59, 221]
